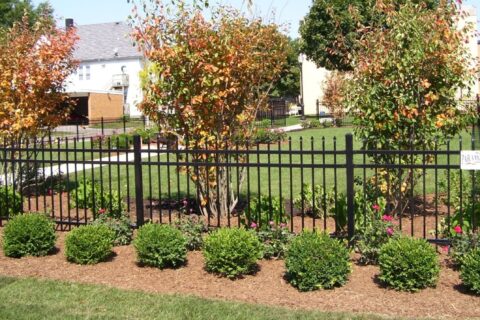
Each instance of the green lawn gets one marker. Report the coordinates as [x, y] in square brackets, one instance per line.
[40, 299]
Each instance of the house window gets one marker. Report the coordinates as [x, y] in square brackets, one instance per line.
[80, 73]
[87, 72]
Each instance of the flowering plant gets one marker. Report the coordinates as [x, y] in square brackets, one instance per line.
[376, 230]
[462, 244]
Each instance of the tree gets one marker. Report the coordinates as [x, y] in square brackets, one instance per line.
[334, 96]
[12, 11]
[35, 63]
[403, 89]
[331, 30]
[204, 83]
[288, 84]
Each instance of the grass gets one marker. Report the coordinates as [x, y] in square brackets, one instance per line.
[42, 299]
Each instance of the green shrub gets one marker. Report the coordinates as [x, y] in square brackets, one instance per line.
[232, 252]
[462, 244]
[10, 201]
[268, 136]
[147, 134]
[263, 210]
[122, 141]
[89, 195]
[275, 240]
[89, 244]
[192, 229]
[408, 264]
[316, 261]
[470, 271]
[160, 246]
[121, 226]
[28, 234]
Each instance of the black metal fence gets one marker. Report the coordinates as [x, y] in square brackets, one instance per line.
[85, 128]
[321, 183]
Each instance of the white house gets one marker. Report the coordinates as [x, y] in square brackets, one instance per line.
[108, 63]
[313, 78]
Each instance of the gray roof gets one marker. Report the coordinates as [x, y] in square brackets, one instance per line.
[105, 41]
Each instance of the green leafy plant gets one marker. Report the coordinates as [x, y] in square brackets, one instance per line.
[193, 229]
[121, 226]
[89, 195]
[269, 136]
[408, 264]
[264, 209]
[313, 200]
[316, 261]
[28, 234]
[160, 246]
[89, 244]
[275, 239]
[147, 135]
[462, 244]
[232, 252]
[470, 271]
[122, 141]
[10, 201]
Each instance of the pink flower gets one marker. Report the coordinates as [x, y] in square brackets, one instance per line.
[283, 225]
[458, 230]
[253, 225]
[185, 203]
[271, 223]
[387, 218]
[101, 211]
[390, 231]
[376, 207]
[445, 248]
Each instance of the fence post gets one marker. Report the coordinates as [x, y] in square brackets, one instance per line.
[103, 129]
[317, 105]
[137, 154]
[350, 187]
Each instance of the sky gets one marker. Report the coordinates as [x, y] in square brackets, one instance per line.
[288, 12]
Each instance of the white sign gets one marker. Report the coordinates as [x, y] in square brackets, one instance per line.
[470, 160]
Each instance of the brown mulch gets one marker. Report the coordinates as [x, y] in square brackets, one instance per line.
[361, 294]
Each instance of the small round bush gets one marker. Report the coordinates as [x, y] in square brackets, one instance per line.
[408, 264]
[232, 252]
[316, 261]
[470, 271]
[160, 246]
[28, 234]
[89, 244]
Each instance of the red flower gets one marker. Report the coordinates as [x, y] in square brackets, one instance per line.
[458, 230]
[376, 207]
[387, 218]
[101, 211]
[390, 231]
[445, 248]
[50, 192]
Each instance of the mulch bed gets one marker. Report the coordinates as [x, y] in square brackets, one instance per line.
[362, 294]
